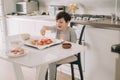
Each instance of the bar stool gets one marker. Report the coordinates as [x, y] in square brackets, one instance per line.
[77, 62]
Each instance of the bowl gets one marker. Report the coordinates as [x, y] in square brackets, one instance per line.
[25, 36]
[66, 45]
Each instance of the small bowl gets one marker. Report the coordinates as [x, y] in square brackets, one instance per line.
[66, 45]
[25, 36]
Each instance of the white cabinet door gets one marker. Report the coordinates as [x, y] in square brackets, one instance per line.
[27, 27]
[40, 24]
[98, 56]
[18, 26]
[12, 26]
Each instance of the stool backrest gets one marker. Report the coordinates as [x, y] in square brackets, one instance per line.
[82, 31]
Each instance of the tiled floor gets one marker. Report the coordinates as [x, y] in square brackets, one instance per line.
[7, 72]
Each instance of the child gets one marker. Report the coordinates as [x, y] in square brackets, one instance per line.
[63, 31]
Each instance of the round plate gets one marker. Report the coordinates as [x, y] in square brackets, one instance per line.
[16, 55]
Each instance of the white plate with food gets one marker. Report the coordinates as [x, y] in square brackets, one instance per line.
[16, 52]
[43, 43]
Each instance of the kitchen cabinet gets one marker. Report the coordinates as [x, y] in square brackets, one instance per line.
[12, 26]
[20, 26]
[100, 62]
[27, 27]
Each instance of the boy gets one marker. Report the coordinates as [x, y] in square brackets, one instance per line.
[63, 31]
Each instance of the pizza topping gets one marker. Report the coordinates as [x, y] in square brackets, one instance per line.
[17, 51]
[42, 41]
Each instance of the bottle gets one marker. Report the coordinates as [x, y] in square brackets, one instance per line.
[112, 18]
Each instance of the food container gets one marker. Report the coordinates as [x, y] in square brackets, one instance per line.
[66, 45]
[25, 36]
[54, 9]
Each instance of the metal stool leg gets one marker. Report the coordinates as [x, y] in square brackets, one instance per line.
[80, 70]
[72, 71]
[46, 76]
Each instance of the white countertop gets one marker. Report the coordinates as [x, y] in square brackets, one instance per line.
[100, 23]
[37, 17]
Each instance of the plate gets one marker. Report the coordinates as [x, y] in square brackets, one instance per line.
[10, 54]
[55, 42]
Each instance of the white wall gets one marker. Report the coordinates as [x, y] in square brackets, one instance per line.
[85, 6]
[9, 6]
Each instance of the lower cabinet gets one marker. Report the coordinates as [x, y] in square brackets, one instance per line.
[20, 26]
[100, 62]
[12, 26]
[27, 27]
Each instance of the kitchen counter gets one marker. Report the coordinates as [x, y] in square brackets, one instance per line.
[100, 23]
[38, 17]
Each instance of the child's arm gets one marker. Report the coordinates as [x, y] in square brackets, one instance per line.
[44, 28]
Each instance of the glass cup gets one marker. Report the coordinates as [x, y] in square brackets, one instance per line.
[15, 45]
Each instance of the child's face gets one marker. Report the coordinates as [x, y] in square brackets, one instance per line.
[61, 24]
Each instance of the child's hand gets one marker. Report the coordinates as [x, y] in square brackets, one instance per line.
[42, 31]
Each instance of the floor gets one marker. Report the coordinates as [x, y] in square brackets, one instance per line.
[62, 76]
[7, 72]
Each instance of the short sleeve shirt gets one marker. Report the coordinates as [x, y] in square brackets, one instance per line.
[69, 34]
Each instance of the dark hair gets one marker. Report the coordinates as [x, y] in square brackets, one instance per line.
[63, 14]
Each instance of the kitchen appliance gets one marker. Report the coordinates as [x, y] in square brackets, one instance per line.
[26, 7]
[54, 9]
[115, 48]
